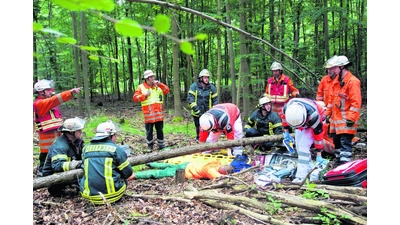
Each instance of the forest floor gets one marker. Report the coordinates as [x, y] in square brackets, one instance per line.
[161, 201]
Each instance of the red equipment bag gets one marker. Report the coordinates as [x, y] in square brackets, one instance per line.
[349, 174]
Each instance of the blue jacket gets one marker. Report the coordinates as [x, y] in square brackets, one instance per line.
[61, 153]
[105, 168]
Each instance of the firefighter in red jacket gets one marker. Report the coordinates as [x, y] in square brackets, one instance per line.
[343, 109]
[222, 118]
[280, 88]
[46, 116]
[151, 96]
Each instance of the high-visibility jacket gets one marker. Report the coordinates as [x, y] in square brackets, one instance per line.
[344, 104]
[46, 115]
[314, 121]
[105, 167]
[279, 91]
[208, 170]
[328, 145]
[203, 97]
[153, 105]
[323, 89]
[47, 118]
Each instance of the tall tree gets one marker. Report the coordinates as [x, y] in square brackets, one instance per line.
[231, 55]
[175, 72]
[84, 64]
[76, 59]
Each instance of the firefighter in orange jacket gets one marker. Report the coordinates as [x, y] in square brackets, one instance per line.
[325, 83]
[151, 96]
[280, 88]
[343, 109]
[47, 117]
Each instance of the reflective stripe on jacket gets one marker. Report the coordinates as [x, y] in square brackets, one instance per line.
[315, 115]
[152, 106]
[344, 104]
[233, 113]
[280, 91]
[46, 115]
[61, 153]
[203, 97]
[105, 168]
[272, 119]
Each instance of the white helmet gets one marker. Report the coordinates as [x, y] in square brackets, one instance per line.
[337, 61]
[72, 125]
[296, 114]
[147, 74]
[204, 73]
[276, 66]
[263, 101]
[328, 64]
[106, 129]
[207, 122]
[43, 84]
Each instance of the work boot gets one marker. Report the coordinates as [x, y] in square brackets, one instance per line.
[150, 147]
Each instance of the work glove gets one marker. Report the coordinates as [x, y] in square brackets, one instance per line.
[75, 164]
[287, 136]
[196, 111]
[327, 119]
[319, 159]
[349, 123]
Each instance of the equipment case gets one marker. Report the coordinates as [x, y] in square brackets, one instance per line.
[349, 174]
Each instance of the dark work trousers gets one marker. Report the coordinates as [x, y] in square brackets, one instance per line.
[197, 125]
[343, 142]
[160, 134]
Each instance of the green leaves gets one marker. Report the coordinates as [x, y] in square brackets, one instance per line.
[201, 36]
[162, 23]
[37, 27]
[89, 48]
[187, 48]
[84, 5]
[128, 27]
[66, 40]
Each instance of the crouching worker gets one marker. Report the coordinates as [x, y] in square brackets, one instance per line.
[195, 170]
[263, 121]
[105, 166]
[64, 154]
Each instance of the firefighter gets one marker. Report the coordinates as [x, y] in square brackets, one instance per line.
[306, 117]
[65, 153]
[280, 88]
[343, 108]
[106, 166]
[151, 96]
[201, 97]
[46, 116]
[263, 121]
[222, 118]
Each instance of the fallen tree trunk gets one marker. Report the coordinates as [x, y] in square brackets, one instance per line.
[68, 176]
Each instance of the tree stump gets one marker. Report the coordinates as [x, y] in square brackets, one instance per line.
[180, 176]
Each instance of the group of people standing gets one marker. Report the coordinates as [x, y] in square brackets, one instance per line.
[329, 123]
